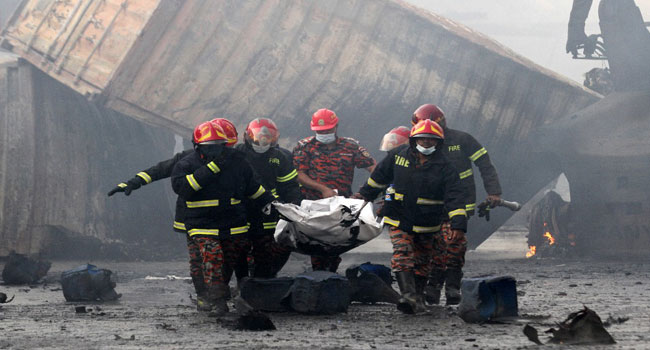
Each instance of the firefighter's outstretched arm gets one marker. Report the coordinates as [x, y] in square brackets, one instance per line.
[258, 195]
[480, 157]
[287, 182]
[157, 172]
[308, 182]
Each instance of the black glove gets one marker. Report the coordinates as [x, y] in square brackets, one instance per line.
[127, 187]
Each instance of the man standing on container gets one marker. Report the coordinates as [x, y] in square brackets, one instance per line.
[462, 150]
[325, 164]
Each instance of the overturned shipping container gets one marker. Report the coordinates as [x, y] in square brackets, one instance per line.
[59, 155]
[175, 63]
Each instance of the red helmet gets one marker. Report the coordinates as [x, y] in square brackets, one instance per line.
[396, 137]
[228, 128]
[324, 119]
[209, 133]
[262, 131]
[427, 111]
[427, 128]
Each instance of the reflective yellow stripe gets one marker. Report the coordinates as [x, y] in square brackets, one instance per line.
[179, 225]
[469, 207]
[203, 231]
[122, 185]
[270, 225]
[239, 230]
[203, 204]
[374, 184]
[426, 229]
[390, 221]
[144, 177]
[399, 196]
[465, 174]
[257, 194]
[287, 177]
[215, 169]
[274, 192]
[477, 154]
[234, 201]
[457, 212]
[426, 201]
[195, 185]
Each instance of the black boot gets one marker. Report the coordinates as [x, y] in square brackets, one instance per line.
[452, 289]
[217, 297]
[420, 284]
[434, 286]
[407, 302]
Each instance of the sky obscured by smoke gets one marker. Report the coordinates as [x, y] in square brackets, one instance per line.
[535, 29]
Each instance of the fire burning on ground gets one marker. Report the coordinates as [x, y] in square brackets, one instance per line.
[547, 229]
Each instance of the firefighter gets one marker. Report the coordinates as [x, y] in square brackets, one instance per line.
[163, 170]
[394, 138]
[214, 181]
[424, 184]
[325, 164]
[276, 172]
[462, 149]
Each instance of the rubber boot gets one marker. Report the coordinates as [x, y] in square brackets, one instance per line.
[217, 296]
[203, 302]
[407, 302]
[434, 286]
[452, 288]
[420, 283]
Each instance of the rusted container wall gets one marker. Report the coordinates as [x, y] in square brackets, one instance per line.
[372, 61]
[59, 155]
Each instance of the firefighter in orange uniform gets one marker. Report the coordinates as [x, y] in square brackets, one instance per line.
[325, 163]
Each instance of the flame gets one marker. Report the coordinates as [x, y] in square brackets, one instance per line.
[551, 239]
[531, 251]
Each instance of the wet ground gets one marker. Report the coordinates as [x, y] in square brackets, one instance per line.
[159, 313]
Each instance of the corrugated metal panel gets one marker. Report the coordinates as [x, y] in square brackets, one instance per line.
[59, 155]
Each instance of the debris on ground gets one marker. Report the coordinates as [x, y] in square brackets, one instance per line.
[615, 320]
[580, 328]
[267, 294]
[254, 321]
[488, 299]
[88, 283]
[320, 292]
[21, 269]
[4, 300]
[371, 283]
[118, 337]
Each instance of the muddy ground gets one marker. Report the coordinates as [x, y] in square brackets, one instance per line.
[159, 313]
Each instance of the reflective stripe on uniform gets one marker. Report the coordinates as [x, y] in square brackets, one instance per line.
[234, 201]
[287, 177]
[203, 231]
[239, 230]
[457, 212]
[426, 201]
[203, 204]
[390, 221]
[465, 174]
[477, 154]
[375, 184]
[144, 176]
[274, 192]
[399, 196]
[257, 194]
[215, 169]
[179, 225]
[426, 229]
[192, 181]
[269, 225]
[470, 207]
[122, 185]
